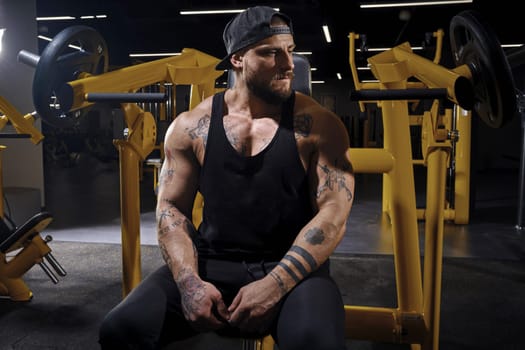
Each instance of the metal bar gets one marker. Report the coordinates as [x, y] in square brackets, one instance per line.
[126, 97]
[398, 94]
[520, 225]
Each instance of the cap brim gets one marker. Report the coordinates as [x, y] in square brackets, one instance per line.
[224, 64]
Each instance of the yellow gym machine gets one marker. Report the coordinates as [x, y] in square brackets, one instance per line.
[482, 82]
[71, 75]
[23, 242]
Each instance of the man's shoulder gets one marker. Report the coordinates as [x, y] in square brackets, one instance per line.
[305, 104]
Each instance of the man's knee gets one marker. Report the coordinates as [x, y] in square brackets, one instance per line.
[118, 330]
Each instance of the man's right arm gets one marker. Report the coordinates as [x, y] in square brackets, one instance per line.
[176, 193]
[201, 302]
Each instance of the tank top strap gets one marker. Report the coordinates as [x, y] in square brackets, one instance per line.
[287, 112]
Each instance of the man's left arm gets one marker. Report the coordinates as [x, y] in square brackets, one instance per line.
[332, 187]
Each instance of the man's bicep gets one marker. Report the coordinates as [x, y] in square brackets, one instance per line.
[178, 180]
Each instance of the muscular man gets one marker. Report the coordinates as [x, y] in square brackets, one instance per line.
[272, 166]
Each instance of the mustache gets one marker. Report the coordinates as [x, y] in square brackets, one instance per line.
[286, 75]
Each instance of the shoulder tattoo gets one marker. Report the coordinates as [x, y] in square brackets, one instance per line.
[302, 125]
[201, 130]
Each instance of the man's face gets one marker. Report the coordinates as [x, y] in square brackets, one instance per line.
[268, 68]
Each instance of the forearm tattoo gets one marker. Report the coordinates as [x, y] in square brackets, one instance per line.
[296, 264]
[279, 281]
[164, 228]
[201, 130]
[191, 289]
[305, 255]
[165, 255]
[289, 271]
[334, 180]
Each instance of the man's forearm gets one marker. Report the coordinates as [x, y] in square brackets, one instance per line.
[311, 249]
[174, 233]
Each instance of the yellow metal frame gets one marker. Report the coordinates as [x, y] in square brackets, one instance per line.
[193, 68]
[31, 251]
[459, 123]
[415, 320]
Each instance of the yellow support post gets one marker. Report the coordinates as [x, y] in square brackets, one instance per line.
[193, 68]
[415, 320]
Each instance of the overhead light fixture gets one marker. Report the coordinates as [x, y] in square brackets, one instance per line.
[93, 17]
[339, 76]
[326, 32]
[158, 54]
[44, 38]
[69, 18]
[213, 12]
[413, 3]
[2, 32]
[55, 18]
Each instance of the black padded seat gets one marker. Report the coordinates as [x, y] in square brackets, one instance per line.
[26, 231]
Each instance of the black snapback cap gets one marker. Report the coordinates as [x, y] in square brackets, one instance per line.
[248, 27]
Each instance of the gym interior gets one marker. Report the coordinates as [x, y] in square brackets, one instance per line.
[432, 99]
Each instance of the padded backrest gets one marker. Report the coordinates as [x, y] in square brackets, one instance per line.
[302, 80]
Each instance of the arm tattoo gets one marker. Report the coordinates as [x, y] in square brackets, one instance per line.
[334, 178]
[302, 125]
[165, 255]
[191, 289]
[201, 130]
[305, 255]
[314, 236]
[165, 176]
[279, 281]
[297, 264]
[289, 271]
[163, 229]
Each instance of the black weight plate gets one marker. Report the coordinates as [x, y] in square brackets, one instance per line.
[75, 50]
[473, 43]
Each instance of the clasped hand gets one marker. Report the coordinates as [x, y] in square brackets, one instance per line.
[252, 310]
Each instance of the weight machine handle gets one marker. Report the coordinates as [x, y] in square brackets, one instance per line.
[126, 97]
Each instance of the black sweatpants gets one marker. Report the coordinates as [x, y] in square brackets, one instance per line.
[311, 315]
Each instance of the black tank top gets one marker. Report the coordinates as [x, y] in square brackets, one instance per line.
[254, 206]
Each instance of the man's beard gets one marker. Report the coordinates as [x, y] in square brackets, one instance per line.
[265, 93]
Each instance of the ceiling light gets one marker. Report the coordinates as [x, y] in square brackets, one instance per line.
[44, 38]
[339, 76]
[213, 12]
[55, 18]
[2, 31]
[159, 54]
[413, 3]
[326, 32]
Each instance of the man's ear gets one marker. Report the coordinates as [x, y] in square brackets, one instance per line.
[236, 59]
